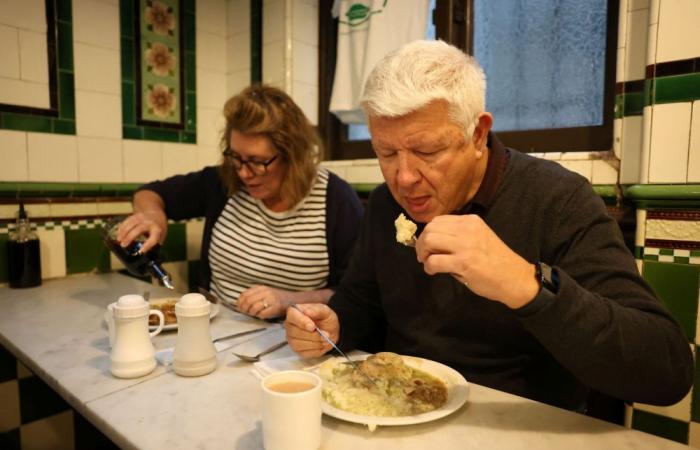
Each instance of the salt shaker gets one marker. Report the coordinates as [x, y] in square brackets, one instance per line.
[132, 354]
[194, 354]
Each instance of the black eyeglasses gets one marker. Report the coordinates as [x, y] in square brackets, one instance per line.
[256, 167]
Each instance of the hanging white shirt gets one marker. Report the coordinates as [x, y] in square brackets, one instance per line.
[367, 31]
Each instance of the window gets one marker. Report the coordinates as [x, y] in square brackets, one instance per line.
[550, 69]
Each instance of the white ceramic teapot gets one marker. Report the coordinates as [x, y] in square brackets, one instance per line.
[132, 350]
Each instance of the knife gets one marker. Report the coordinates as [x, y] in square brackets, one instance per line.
[335, 347]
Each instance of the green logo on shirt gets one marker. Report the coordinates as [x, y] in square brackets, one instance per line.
[360, 13]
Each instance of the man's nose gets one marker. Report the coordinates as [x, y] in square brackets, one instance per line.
[407, 171]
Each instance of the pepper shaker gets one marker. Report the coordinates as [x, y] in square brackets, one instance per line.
[194, 354]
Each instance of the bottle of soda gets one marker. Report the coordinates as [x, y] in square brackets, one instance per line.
[138, 263]
[23, 254]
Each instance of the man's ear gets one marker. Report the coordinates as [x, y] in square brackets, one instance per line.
[481, 131]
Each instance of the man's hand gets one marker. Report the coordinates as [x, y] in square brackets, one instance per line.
[301, 333]
[263, 301]
[467, 248]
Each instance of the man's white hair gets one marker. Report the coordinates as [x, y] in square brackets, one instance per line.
[420, 72]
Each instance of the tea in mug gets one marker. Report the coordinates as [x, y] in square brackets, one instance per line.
[290, 387]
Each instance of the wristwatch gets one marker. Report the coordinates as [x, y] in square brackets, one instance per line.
[547, 277]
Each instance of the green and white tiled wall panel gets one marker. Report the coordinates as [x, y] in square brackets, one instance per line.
[667, 250]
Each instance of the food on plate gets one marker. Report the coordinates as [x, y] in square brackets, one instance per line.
[167, 307]
[405, 230]
[398, 389]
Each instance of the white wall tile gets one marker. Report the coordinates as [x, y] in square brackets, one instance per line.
[694, 150]
[584, 168]
[273, 68]
[211, 52]
[636, 45]
[654, 7]
[617, 137]
[114, 208]
[640, 232]
[211, 89]
[211, 16]
[97, 69]
[273, 21]
[143, 161]
[33, 54]
[210, 125]
[603, 172]
[9, 52]
[306, 96]
[237, 16]
[679, 30]
[652, 38]
[670, 133]
[633, 5]
[630, 149]
[208, 156]
[194, 229]
[305, 22]
[26, 14]
[24, 93]
[305, 63]
[694, 435]
[38, 210]
[53, 252]
[99, 160]
[179, 159]
[96, 23]
[98, 114]
[52, 157]
[13, 154]
[236, 81]
[238, 52]
[364, 174]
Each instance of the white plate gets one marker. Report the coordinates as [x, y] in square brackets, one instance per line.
[457, 392]
[173, 326]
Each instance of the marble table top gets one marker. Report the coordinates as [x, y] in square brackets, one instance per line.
[57, 330]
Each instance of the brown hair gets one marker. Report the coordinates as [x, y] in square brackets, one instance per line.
[269, 111]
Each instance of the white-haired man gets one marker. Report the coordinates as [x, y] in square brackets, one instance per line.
[519, 279]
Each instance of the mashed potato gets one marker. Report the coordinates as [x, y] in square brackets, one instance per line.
[405, 230]
[398, 390]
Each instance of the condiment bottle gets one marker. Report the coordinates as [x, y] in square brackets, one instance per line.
[136, 262]
[23, 254]
[194, 354]
[132, 353]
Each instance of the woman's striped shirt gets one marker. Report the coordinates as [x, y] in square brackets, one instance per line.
[251, 244]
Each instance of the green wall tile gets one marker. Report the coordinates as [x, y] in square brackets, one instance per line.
[127, 58]
[132, 133]
[66, 95]
[695, 403]
[666, 251]
[26, 122]
[190, 42]
[63, 10]
[4, 269]
[633, 104]
[65, 46]
[660, 426]
[85, 251]
[638, 252]
[677, 88]
[161, 134]
[677, 287]
[126, 18]
[191, 112]
[188, 137]
[191, 73]
[64, 126]
[175, 246]
[128, 102]
[188, 6]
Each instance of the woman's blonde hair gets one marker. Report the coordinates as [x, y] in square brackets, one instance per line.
[268, 111]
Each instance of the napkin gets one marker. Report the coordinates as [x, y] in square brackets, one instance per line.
[263, 368]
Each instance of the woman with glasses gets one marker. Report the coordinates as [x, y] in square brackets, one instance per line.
[278, 228]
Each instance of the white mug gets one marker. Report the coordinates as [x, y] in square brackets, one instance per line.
[109, 318]
[291, 420]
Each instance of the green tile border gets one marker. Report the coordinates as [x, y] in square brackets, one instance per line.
[255, 41]
[660, 426]
[676, 88]
[72, 190]
[686, 196]
[131, 129]
[63, 69]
